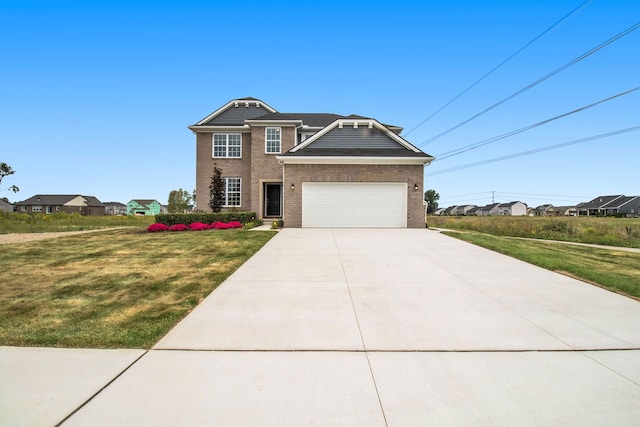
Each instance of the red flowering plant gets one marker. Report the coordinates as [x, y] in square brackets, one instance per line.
[154, 228]
[178, 227]
[218, 225]
[199, 226]
[234, 224]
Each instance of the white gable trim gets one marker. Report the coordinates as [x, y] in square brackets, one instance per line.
[354, 123]
[233, 103]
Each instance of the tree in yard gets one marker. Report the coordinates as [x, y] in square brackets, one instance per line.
[6, 170]
[216, 190]
[431, 197]
[179, 201]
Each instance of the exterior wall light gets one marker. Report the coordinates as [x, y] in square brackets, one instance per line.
[415, 187]
[293, 186]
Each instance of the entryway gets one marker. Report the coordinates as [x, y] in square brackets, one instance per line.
[273, 200]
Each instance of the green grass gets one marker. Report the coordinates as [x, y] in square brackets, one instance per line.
[40, 223]
[113, 289]
[615, 270]
[602, 231]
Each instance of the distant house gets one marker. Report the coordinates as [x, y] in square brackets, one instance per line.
[597, 206]
[625, 205]
[564, 210]
[488, 210]
[115, 208]
[544, 210]
[146, 207]
[439, 211]
[512, 209]
[462, 209]
[5, 206]
[50, 204]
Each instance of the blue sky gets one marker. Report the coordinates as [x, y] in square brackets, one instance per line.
[96, 96]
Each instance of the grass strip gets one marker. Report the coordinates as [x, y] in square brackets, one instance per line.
[113, 289]
[618, 271]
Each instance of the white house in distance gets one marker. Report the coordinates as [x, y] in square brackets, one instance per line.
[513, 209]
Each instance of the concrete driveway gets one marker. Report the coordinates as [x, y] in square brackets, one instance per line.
[384, 327]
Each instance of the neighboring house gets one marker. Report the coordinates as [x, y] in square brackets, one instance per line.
[544, 210]
[311, 170]
[595, 206]
[439, 211]
[146, 207]
[450, 210]
[564, 210]
[513, 209]
[5, 206]
[625, 205]
[115, 208]
[462, 209]
[48, 204]
[488, 210]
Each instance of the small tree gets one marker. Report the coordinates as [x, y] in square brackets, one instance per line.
[431, 197]
[6, 170]
[216, 190]
[179, 201]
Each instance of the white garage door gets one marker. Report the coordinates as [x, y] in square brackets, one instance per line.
[358, 205]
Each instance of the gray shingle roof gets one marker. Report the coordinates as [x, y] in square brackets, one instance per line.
[58, 200]
[309, 119]
[617, 203]
[599, 202]
[352, 142]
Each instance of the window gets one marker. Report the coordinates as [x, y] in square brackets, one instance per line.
[48, 209]
[36, 208]
[272, 140]
[232, 187]
[227, 145]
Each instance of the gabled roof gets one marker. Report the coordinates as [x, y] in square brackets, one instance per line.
[510, 204]
[488, 208]
[235, 112]
[113, 203]
[316, 120]
[619, 202]
[144, 202]
[356, 138]
[599, 202]
[58, 200]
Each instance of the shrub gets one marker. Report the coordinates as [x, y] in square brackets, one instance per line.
[178, 227]
[154, 228]
[234, 224]
[205, 217]
[199, 226]
[219, 225]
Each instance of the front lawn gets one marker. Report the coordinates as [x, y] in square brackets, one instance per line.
[113, 289]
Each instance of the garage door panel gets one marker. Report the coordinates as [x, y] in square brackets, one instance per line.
[354, 205]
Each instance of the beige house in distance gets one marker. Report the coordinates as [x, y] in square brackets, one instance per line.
[310, 169]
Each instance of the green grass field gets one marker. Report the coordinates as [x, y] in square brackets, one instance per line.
[623, 232]
[113, 289]
[42, 223]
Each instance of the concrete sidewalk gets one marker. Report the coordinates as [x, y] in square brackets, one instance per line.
[368, 327]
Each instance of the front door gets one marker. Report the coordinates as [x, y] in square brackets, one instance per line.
[273, 200]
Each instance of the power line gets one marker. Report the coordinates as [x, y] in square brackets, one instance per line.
[537, 82]
[537, 150]
[482, 143]
[556, 24]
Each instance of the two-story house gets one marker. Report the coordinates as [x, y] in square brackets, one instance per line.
[311, 170]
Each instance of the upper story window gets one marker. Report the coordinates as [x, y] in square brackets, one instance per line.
[273, 140]
[227, 145]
